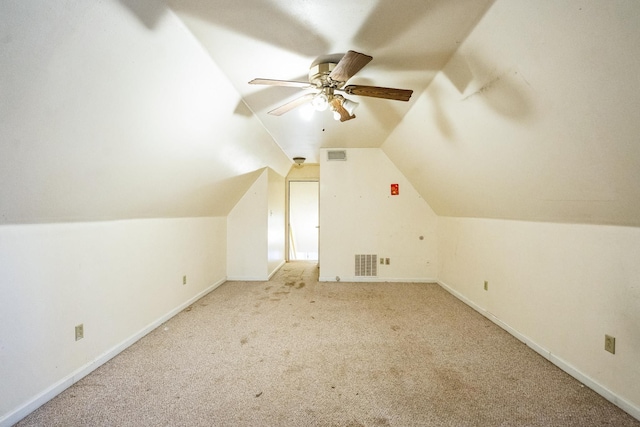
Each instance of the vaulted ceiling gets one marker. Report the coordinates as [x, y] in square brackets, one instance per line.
[410, 41]
[142, 108]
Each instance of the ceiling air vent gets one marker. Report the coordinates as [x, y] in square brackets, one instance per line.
[366, 265]
[336, 155]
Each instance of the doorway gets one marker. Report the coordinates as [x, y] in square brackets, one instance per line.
[303, 236]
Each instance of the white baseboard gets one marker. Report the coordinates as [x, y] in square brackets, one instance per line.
[623, 404]
[377, 279]
[275, 270]
[16, 415]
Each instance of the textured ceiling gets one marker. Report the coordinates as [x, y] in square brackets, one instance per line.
[521, 110]
[410, 41]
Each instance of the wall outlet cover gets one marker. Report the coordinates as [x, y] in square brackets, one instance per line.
[79, 332]
[610, 344]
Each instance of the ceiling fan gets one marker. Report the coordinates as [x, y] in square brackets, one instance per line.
[327, 76]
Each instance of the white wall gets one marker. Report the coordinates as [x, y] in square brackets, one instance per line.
[559, 287]
[359, 216]
[304, 172]
[247, 233]
[103, 117]
[276, 221]
[534, 117]
[119, 279]
[255, 236]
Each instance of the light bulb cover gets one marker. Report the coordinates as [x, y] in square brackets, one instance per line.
[349, 105]
[320, 102]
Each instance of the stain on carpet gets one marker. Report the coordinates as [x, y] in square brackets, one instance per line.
[293, 284]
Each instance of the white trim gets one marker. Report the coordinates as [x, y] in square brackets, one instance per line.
[377, 279]
[612, 397]
[275, 270]
[18, 414]
[21, 412]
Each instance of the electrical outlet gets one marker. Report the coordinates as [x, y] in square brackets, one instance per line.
[610, 344]
[381, 261]
[184, 280]
[387, 261]
[486, 285]
[79, 332]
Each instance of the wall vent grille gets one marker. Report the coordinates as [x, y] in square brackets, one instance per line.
[366, 265]
[333, 155]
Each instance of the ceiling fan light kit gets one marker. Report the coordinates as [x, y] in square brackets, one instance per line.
[320, 102]
[326, 77]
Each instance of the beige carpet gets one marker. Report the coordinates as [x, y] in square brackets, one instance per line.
[295, 352]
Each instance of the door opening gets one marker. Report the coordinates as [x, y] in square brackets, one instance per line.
[303, 217]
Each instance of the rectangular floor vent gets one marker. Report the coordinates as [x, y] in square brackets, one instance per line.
[366, 265]
[333, 155]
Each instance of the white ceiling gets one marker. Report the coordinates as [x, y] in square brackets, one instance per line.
[409, 41]
[522, 110]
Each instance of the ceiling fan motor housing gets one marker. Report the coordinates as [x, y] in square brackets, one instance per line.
[319, 74]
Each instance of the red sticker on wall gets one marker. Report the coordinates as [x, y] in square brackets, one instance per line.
[395, 189]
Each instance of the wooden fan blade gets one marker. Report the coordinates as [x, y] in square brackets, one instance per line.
[349, 65]
[272, 82]
[292, 104]
[379, 92]
[336, 103]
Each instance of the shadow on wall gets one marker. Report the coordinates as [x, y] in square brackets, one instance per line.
[242, 109]
[264, 97]
[442, 122]
[276, 25]
[501, 90]
[148, 12]
[389, 21]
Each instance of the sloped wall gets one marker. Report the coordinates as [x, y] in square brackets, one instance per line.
[534, 117]
[255, 236]
[276, 221]
[119, 279]
[359, 216]
[105, 116]
[560, 288]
